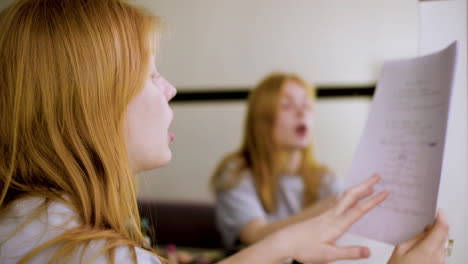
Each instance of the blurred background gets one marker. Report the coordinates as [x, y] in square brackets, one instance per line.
[212, 46]
[217, 46]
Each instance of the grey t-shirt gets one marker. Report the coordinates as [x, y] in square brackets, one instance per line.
[238, 206]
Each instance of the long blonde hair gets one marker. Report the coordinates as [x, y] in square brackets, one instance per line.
[259, 152]
[68, 70]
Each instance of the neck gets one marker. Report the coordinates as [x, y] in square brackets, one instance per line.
[292, 160]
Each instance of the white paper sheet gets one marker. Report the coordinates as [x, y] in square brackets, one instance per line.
[404, 141]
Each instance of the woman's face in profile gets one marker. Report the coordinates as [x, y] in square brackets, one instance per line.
[147, 125]
[293, 125]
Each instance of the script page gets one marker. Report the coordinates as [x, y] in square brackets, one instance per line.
[404, 141]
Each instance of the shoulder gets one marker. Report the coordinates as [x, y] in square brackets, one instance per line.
[242, 184]
[144, 257]
[328, 178]
[42, 219]
[122, 255]
[24, 228]
[331, 185]
[30, 222]
[232, 162]
[92, 253]
[231, 173]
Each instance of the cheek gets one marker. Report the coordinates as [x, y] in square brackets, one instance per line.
[142, 114]
[151, 103]
[155, 121]
[284, 120]
[145, 118]
[281, 129]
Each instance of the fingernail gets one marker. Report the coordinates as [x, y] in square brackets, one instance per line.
[365, 252]
[385, 193]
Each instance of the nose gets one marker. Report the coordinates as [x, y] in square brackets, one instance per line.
[172, 91]
[300, 111]
[169, 90]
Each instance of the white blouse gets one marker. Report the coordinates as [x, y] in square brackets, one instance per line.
[47, 225]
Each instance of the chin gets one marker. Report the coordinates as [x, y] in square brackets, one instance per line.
[294, 147]
[165, 160]
[157, 162]
[301, 145]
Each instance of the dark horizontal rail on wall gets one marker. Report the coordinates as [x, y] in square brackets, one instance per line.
[240, 94]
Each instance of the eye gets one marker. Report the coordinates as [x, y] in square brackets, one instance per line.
[286, 104]
[155, 76]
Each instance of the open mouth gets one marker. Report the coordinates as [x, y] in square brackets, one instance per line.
[171, 136]
[301, 130]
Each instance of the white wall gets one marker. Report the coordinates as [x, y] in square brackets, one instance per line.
[213, 44]
[230, 43]
[441, 23]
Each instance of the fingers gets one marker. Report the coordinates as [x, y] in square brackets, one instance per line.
[351, 252]
[360, 209]
[438, 235]
[356, 193]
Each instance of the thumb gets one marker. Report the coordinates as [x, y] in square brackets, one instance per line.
[407, 245]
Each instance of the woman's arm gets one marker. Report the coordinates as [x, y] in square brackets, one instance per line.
[258, 229]
[313, 240]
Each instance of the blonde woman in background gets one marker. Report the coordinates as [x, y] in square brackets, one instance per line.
[84, 109]
[274, 180]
